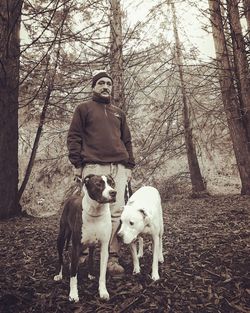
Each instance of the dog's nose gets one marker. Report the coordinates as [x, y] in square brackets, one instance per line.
[112, 193]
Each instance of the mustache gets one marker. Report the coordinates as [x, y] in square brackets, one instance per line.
[105, 90]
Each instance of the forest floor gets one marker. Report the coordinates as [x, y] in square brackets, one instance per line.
[206, 267]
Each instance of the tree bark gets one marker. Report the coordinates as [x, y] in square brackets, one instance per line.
[241, 65]
[246, 6]
[116, 54]
[10, 16]
[229, 98]
[198, 186]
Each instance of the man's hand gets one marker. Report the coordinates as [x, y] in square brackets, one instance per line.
[129, 174]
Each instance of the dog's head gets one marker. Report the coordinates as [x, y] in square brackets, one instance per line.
[133, 222]
[100, 188]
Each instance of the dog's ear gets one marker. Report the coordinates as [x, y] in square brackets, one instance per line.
[143, 213]
[87, 178]
[145, 216]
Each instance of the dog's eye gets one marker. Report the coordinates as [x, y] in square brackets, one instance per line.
[131, 223]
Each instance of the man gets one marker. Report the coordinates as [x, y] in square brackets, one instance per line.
[99, 142]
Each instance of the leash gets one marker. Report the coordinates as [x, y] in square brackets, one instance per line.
[128, 191]
[78, 179]
[77, 186]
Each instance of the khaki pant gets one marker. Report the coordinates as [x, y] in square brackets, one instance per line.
[119, 174]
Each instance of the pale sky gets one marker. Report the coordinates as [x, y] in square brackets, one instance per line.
[190, 24]
[189, 18]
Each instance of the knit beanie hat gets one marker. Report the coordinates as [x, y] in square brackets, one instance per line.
[99, 74]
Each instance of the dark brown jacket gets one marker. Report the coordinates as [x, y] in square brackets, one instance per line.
[99, 134]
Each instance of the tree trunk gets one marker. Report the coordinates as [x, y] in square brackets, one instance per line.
[51, 74]
[10, 16]
[246, 5]
[116, 54]
[241, 65]
[198, 186]
[36, 143]
[229, 98]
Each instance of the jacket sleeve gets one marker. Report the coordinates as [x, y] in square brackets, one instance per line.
[126, 138]
[74, 139]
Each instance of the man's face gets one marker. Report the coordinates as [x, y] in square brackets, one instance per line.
[103, 87]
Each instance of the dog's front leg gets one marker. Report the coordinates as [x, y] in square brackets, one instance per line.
[103, 269]
[73, 294]
[140, 249]
[135, 258]
[156, 246]
[161, 257]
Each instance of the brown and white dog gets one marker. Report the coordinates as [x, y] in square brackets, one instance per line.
[87, 222]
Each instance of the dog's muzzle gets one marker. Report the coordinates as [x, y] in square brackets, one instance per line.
[111, 198]
[112, 194]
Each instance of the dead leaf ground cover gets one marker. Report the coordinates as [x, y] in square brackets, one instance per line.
[206, 268]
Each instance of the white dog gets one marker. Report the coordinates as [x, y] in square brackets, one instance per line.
[143, 214]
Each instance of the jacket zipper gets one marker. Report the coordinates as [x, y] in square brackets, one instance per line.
[105, 110]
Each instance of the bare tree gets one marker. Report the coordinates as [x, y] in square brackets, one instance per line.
[198, 185]
[242, 70]
[49, 81]
[10, 16]
[230, 97]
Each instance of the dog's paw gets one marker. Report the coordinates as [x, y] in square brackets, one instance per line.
[136, 270]
[58, 277]
[161, 259]
[140, 255]
[155, 276]
[104, 294]
[73, 298]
